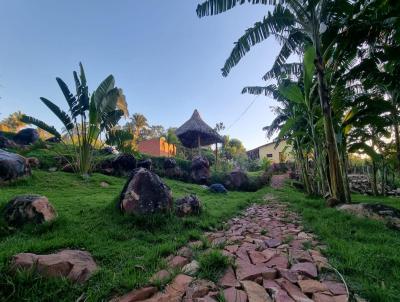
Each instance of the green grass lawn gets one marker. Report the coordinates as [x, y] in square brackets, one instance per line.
[128, 250]
[366, 252]
[390, 201]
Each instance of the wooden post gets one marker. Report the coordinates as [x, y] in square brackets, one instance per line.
[199, 145]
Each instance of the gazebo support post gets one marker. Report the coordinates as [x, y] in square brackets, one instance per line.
[199, 144]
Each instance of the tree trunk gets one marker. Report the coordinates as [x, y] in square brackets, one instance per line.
[374, 185]
[343, 168]
[304, 170]
[397, 142]
[336, 179]
[318, 160]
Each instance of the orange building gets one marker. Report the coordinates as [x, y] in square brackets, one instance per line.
[157, 147]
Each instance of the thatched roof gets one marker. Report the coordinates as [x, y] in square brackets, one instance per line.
[194, 128]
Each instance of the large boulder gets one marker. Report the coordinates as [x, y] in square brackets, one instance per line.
[75, 265]
[29, 209]
[6, 143]
[387, 214]
[13, 166]
[237, 179]
[171, 169]
[145, 193]
[123, 164]
[169, 163]
[145, 163]
[217, 188]
[200, 170]
[26, 136]
[188, 205]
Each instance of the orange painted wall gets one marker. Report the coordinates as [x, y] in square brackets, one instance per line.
[157, 147]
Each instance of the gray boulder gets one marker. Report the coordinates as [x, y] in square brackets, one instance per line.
[29, 209]
[145, 193]
[123, 164]
[26, 136]
[188, 205]
[218, 188]
[13, 166]
[200, 170]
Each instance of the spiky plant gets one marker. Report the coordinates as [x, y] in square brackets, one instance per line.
[88, 116]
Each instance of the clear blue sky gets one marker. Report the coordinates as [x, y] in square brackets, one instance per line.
[162, 55]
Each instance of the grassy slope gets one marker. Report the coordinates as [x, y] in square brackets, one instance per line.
[128, 250]
[366, 252]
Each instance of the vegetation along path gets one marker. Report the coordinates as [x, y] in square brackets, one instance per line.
[268, 258]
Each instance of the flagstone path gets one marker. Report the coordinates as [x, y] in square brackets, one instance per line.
[273, 258]
[277, 181]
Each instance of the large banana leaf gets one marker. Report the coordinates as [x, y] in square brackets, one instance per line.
[62, 116]
[292, 92]
[40, 124]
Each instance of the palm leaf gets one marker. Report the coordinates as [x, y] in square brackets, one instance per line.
[62, 115]
[214, 7]
[40, 124]
[70, 98]
[101, 91]
[274, 23]
[291, 69]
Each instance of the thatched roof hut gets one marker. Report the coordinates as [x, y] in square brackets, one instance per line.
[195, 133]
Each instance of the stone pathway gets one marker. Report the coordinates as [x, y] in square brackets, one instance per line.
[273, 259]
[277, 181]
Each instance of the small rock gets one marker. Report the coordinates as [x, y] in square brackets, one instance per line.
[185, 252]
[273, 243]
[137, 295]
[104, 184]
[255, 292]
[75, 265]
[294, 291]
[306, 268]
[229, 279]
[174, 291]
[160, 276]
[336, 288]
[234, 295]
[278, 261]
[178, 262]
[199, 288]
[312, 286]
[191, 268]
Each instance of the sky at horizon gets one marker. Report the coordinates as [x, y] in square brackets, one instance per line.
[166, 59]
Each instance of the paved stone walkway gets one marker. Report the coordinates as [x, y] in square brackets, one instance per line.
[277, 181]
[273, 260]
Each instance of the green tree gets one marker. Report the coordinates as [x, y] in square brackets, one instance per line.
[293, 23]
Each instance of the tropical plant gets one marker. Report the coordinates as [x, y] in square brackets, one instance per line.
[88, 116]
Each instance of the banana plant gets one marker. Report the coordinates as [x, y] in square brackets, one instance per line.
[88, 116]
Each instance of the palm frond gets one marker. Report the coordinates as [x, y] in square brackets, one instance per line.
[69, 97]
[290, 69]
[214, 7]
[274, 23]
[40, 124]
[290, 45]
[62, 115]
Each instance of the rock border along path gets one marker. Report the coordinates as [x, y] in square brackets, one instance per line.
[274, 260]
